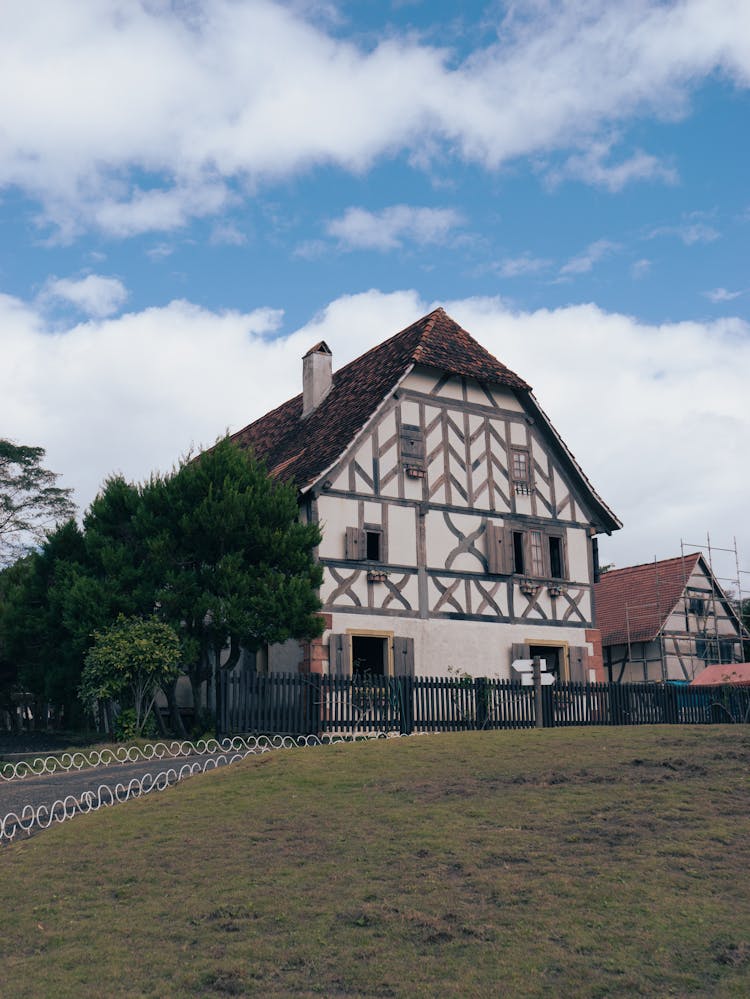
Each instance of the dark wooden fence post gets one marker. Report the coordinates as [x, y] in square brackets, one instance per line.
[406, 703]
[314, 704]
[536, 667]
[480, 702]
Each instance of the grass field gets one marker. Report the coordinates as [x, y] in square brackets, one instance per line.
[579, 862]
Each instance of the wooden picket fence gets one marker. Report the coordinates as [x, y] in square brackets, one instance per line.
[311, 704]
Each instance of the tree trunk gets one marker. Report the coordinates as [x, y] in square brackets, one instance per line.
[175, 718]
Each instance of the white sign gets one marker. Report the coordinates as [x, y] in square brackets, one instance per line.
[527, 665]
[527, 680]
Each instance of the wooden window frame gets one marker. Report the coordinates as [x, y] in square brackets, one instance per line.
[503, 546]
[523, 484]
[555, 644]
[355, 544]
[367, 633]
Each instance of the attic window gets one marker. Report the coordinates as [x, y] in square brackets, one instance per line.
[412, 448]
[520, 470]
[365, 544]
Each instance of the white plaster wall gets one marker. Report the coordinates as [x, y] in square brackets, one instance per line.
[358, 587]
[410, 412]
[335, 514]
[505, 398]
[475, 647]
[402, 535]
[577, 546]
[421, 380]
[518, 434]
[441, 541]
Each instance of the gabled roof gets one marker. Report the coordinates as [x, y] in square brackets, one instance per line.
[636, 601]
[301, 450]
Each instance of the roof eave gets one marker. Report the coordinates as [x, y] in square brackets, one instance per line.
[319, 477]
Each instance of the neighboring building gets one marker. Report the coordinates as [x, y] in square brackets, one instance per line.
[665, 621]
[733, 675]
[458, 529]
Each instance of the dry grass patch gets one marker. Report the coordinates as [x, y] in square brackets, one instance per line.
[607, 862]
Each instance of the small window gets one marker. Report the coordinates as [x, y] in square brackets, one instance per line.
[537, 553]
[697, 605]
[373, 545]
[520, 465]
[518, 559]
[412, 446]
[555, 558]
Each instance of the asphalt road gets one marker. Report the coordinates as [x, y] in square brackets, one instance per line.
[74, 785]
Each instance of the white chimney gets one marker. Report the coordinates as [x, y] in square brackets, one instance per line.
[317, 374]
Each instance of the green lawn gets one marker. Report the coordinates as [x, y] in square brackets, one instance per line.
[580, 862]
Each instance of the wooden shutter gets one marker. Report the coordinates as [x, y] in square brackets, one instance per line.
[578, 660]
[340, 655]
[403, 656]
[519, 651]
[509, 561]
[412, 446]
[355, 545]
[495, 549]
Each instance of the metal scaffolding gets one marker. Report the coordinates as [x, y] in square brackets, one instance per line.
[708, 644]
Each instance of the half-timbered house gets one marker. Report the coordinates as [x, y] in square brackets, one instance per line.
[665, 620]
[459, 532]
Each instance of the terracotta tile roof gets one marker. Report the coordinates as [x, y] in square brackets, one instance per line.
[638, 599]
[737, 674]
[301, 450]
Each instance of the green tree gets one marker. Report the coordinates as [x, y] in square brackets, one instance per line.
[31, 502]
[44, 654]
[128, 663]
[241, 570]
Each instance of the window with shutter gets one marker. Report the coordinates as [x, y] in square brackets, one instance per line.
[340, 655]
[403, 656]
[536, 552]
[412, 448]
[495, 549]
[355, 545]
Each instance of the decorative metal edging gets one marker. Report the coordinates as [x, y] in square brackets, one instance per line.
[43, 816]
[80, 760]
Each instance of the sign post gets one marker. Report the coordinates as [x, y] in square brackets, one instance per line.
[537, 674]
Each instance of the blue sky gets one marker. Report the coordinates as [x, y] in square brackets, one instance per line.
[190, 191]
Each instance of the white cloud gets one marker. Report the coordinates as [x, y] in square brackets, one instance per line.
[390, 228]
[94, 294]
[721, 295]
[512, 267]
[142, 115]
[692, 231]
[663, 405]
[585, 261]
[227, 234]
[591, 167]
[640, 268]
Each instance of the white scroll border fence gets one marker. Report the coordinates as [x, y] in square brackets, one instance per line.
[39, 817]
[119, 755]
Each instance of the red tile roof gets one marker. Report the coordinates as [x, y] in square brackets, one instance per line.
[737, 674]
[635, 601]
[301, 450]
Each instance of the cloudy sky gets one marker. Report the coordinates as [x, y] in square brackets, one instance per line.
[193, 191]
